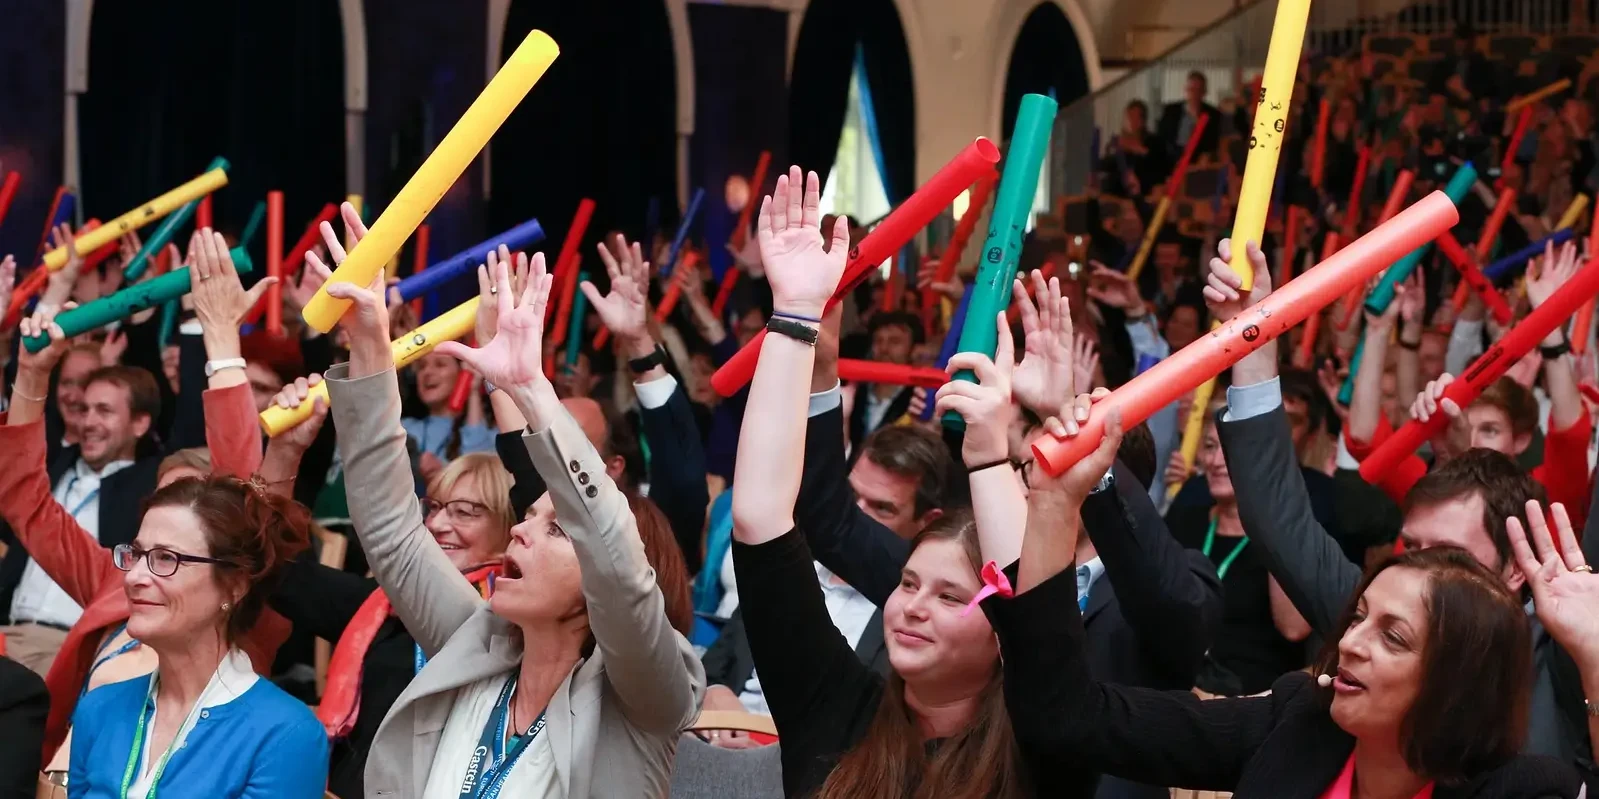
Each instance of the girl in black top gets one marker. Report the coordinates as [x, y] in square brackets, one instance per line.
[937, 726]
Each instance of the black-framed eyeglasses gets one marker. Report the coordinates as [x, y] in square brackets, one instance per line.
[462, 509]
[162, 562]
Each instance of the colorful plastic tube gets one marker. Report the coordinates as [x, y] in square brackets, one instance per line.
[1383, 293]
[1584, 323]
[1013, 205]
[1352, 210]
[566, 268]
[1147, 244]
[1523, 122]
[1285, 271]
[1573, 212]
[61, 208]
[973, 161]
[891, 374]
[1318, 155]
[1222, 347]
[1528, 99]
[957, 321]
[419, 261]
[1269, 131]
[1488, 367]
[448, 326]
[724, 292]
[430, 280]
[1193, 429]
[252, 227]
[441, 169]
[157, 208]
[1504, 266]
[462, 391]
[291, 262]
[1307, 341]
[136, 266]
[128, 302]
[1473, 277]
[950, 258]
[757, 180]
[682, 232]
[1496, 220]
[1396, 196]
[202, 212]
[274, 263]
[8, 192]
[574, 334]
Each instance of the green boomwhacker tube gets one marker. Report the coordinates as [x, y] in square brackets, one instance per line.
[1013, 204]
[128, 302]
[134, 268]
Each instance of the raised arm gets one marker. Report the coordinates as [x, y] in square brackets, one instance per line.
[650, 667]
[281, 464]
[1366, 402]
[998, 505]
[1565, 459]
[220, 304]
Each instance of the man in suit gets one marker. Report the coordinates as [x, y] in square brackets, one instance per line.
[894, 337]
[101, 481]
[1463, 504]
[24, 704]
[1178, 120]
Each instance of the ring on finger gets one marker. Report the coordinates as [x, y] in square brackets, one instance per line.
[1584, 568]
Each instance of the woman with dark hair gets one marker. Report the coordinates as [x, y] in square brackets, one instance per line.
[937, 725]
[1422, 690]
[197, 577]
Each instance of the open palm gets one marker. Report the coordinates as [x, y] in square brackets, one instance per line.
[803, 273]
[1043, 380]
[1565, 590]
[512, 357]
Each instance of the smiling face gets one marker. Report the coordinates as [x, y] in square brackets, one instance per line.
[110, 430]
[1380, 654]
[464, 524]
[1213, 465]
[539, 579]
[170, 610]
[435, 380]
[927, 636]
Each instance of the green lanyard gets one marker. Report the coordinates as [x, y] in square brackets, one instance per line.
[1227, 562]
[138, 744]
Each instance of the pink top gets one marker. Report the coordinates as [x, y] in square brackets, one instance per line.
[1341, 787]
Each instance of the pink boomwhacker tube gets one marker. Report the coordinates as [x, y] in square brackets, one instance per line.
[1473, 278]
[1396, 197]
[974, 161]
[1488, 367]
[858, 371]
[1227, 344]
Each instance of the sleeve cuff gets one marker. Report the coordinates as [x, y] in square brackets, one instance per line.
[655, 393]
[824, 401]
[1258, 399]
[191, 328]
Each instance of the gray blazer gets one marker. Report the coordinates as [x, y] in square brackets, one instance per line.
[614, 723]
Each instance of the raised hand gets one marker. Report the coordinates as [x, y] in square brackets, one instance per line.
[112, 348]
[1116, 290]
[1042, 383]
[1222, 286]
[58, 289]
[985, 405]
[625, 310]
[1085, 360]
[803, 274]
[300, 436]
[313, 273]
[220, 300]
[1546, 274]
[42, 362]
[488, 307]
[8, 280]
[1456, 436]
[927, 278]
[1564, 588]
[512, 358]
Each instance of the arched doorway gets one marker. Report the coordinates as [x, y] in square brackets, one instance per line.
[1046, 58]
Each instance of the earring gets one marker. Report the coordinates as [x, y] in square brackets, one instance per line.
[226, 606]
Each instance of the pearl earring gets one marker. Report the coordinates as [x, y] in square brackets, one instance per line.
[226, 606]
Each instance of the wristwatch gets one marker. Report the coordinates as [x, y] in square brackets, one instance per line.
[1105, 483]
[794, 330]
[641, 365]
[1551, 353]
[212, 367]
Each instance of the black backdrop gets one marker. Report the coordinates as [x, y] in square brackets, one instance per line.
[1046, 57]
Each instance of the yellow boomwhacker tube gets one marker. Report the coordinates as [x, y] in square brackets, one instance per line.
[1194, 430]
[1151, 233]
[1260, 170]
[441, 169]
[448, 326]
[1527, 99]
[1573, 212]
[139, 217]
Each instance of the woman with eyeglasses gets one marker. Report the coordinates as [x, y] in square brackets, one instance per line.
[197, 576]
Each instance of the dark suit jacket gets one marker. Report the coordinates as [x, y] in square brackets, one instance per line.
[1149, 616]
[24, 704]
[121, 496]
[1171, 124]
[677, 471]
[729, 662]
[858, 432]
[1280, 746]
[1312, 570]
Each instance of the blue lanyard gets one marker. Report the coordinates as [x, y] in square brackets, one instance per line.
[101, 661]
[83, 503]
[484, 780]
[421, 659]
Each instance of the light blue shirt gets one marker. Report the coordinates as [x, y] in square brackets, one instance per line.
[433, 435]
[1088, 574]
[1258, 399]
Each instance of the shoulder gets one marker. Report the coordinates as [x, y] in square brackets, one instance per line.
[112, 698]
[268, 708]
[1527, 777]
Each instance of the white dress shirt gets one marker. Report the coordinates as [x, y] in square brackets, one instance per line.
[37, 597]
[850, 613]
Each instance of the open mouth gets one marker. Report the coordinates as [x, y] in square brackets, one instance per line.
[1345, 683]
[510, 571]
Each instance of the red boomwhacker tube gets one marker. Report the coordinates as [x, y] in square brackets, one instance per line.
[1318, 156]
[35, 281]
[94, 259]
[973, 161]
[891, 374]
[1307, 342]
[951, 256]
[462, 391]
[1227, 344]
[724, 292]
[757, 179]
[1488, 367]
[1490, 231]
[1352, 210]
[1522, 123]
[1396, 197]
[291, 262]
[892, 289]
[1584, 323]
[55, 206]
[1285, 271]
[419, 263]
[274, 263]
[1180, 171]
[566, 268]
[8, 192]
[1473, 279]
[202, 214]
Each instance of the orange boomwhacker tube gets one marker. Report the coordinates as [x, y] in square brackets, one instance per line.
[1352, 211]
[950, 258]
[1528, 99]
[757, 179]
[274, 263]
[1490, 231]
[1318, 156]
[858, 371]
[565, 269]
[1488, 367]
[1307, 342]
[1227, 344]
[973, 161]
[1396, 197]
[1473, 279]
[1522, 123]
[1285, 272]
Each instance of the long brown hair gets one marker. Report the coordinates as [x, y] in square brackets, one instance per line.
[982, 761]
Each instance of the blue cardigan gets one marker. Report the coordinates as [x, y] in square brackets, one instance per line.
[263, 745]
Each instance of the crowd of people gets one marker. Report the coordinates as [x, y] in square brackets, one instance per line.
[597, 577]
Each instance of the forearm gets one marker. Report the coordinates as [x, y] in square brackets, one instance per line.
[280, 467]
[221, 345]
[537, 402]
[1366, 403]
[1560, 380]
[28, 396]
[507, 417]
[1050, 544]
[767, 474]
[1000, 511]
[1407, 376]
[1256, 367]
[1284, 616]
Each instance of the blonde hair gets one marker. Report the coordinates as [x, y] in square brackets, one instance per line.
[492, 480]
[196, 458]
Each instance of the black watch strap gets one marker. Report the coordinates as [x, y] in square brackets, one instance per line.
[1551, 353]
[641, 365]
[793, 329]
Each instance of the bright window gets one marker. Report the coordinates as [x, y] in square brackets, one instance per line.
[855, 186]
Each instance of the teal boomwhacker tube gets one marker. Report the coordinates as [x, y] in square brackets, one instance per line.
[1346, 392]
[128, 302]
[575, 327]
[134, 268]
[254, 225]
[169, 324]
[1013, 204]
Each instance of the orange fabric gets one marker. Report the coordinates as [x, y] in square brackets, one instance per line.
[83, 568]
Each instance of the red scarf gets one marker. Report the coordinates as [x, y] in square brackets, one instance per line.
[341, 699]
[1341, 787]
